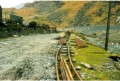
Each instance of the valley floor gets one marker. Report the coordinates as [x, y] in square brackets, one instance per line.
[28, 57]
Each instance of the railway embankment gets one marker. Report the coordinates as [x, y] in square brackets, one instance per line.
[104, 66]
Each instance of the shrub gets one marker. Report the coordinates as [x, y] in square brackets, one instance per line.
[13, 26]
[32, 24]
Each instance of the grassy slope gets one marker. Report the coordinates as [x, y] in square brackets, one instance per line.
[73, 8]
[7, 11]
[92, 10]
[26, 13]
[98, 58]
[76, 6]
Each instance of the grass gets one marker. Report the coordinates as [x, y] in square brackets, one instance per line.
[25, 13]
[73, 7]
[97, 58]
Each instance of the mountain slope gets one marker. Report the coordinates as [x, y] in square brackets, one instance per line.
[66, 13]
[44, 6]
[69, 13]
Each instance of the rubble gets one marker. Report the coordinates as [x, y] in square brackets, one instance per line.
[28, 57]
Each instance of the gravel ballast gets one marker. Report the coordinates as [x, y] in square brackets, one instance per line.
[28, 57]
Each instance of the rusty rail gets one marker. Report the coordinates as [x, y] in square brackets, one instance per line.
[73, 67]
[65, 71]
[80, 43]
[57, 72]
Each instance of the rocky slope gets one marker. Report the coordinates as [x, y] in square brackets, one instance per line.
[69, 13]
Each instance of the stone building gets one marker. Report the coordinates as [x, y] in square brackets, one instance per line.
[0, 13]
[16, 18]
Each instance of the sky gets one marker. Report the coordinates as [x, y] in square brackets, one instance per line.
[12, 3]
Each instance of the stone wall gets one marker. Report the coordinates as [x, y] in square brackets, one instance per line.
[0, 13]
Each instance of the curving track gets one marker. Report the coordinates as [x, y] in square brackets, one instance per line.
[65, 69]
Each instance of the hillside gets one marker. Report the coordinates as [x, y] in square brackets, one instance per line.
[69, 13]
[27, 14]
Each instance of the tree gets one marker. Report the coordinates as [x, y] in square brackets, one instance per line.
[13, 26]
[108, 26]
[32, 24]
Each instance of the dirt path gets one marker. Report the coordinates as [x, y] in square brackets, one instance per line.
[28, 57]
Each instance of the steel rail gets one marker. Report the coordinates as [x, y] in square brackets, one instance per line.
[66, 73]
[73, 67]
[57, 72]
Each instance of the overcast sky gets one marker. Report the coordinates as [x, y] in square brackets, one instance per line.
[12, 3]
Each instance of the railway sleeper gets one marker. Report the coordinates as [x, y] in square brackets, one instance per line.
[73, 60]
[72, 52]
[58, 46]
[78, 67]
[73, 44]
[72, 55]
[63, 51]
[64, 46]
[64, 55]
[72, 40]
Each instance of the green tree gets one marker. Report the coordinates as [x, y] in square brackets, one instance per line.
[32, 24]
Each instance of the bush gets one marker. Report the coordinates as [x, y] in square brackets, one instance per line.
[13, 27]
[32, 24]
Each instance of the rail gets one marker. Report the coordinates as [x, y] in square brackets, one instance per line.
[64, 72]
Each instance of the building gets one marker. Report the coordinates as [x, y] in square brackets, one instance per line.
[0, 13]
[1, 22]
[16, 18]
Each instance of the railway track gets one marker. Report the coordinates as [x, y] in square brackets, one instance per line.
[65, 69]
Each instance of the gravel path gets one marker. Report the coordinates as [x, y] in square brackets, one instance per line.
[28, 57]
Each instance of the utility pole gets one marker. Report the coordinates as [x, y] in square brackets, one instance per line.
[74, 29]
[108, 26]
[5, 16]
[74, 24]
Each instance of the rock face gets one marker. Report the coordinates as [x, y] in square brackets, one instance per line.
[28, 57]
[69, 14]
[44, 6]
